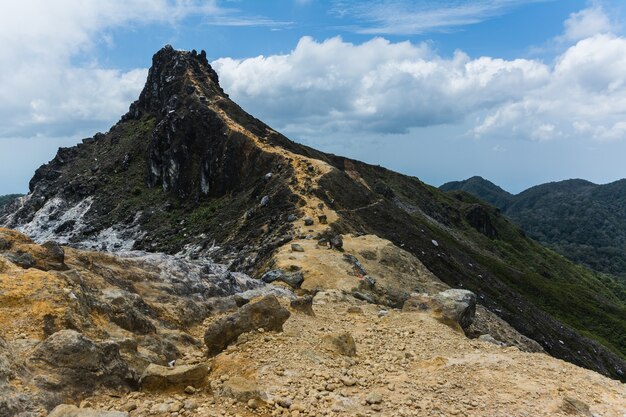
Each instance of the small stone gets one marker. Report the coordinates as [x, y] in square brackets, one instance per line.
[322, 218]
[348, 382]
[190, 390]
[284, 402]
[308, 221]
[265, 201]
[175, 407]
[253, 404]
[377, 407]
[374, 398]
[336, 242]
[190, 405]
[296, 247]
[130, 406]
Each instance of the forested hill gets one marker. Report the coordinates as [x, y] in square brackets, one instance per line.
[583, 221]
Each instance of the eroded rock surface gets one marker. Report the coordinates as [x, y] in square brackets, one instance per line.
[266, 314]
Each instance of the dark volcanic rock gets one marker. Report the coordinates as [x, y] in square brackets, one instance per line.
[80, 365]
[293, 279]
[266, 313]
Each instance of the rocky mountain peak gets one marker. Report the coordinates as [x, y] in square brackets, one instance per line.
[174, 76]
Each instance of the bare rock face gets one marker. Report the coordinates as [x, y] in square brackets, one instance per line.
[79, 364]
[162, 378]
[266, 313]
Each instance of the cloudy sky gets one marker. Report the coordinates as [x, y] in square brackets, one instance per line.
[518, 91]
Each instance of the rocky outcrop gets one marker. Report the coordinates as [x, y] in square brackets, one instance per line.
[101, 321]
[79, 365]
[266, 314]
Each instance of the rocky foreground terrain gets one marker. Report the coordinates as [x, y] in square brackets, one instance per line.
[91, 334]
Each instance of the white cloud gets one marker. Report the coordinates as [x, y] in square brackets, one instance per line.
[586, 23]
[43, 91]
[583, 97]
[321, 88]
[378, 85]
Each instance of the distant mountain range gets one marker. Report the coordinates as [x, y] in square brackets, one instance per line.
[583, 221]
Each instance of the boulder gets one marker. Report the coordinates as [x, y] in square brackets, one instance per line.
[66, 410]
[459, 305]
[79, 363]
[336, 242]
[162, 378]
[241, 389]
[341, 343]
[266, 313]
[296, 247]
[54, 256]
[454, 307]
[293, 279]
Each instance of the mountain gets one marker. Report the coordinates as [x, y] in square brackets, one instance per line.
[483, 189]
[578, 219]
[188, 172]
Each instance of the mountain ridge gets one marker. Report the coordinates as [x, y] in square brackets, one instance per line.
[188, 171]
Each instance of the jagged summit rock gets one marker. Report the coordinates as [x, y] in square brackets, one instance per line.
[173, 77]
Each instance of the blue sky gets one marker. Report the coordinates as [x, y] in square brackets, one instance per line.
[520, 92]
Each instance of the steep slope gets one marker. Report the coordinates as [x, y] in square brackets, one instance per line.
[187, 171]
[578, 219]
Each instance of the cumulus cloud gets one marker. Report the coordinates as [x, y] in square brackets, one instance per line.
[586, 23]
[377, 85]
[333, 86]
[584, 96]
[45, 92]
